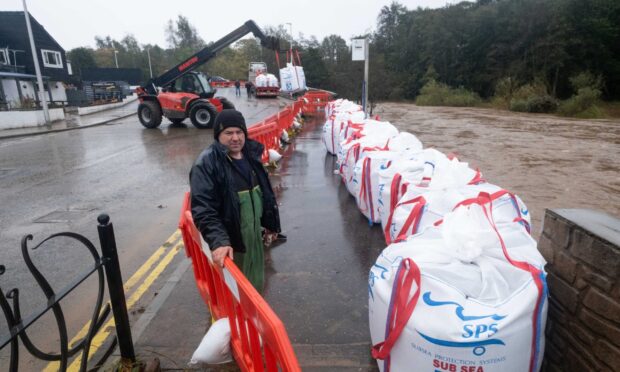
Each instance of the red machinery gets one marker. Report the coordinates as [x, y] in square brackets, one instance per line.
[186, 93]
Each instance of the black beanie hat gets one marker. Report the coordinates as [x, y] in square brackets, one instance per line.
[226, 119]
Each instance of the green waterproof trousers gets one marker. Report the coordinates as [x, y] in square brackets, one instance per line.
[252, 262]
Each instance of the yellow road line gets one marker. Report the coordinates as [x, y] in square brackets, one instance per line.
[135, 278]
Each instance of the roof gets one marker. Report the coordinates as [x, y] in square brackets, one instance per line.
[18, 75]
[17, 18]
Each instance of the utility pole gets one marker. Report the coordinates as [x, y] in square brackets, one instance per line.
[116, 59]
[365, 100]
[359, 52]
[148, 53]
[35, 57]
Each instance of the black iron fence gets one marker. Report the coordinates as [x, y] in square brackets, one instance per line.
[106, 262]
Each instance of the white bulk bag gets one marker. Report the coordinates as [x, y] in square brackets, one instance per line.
[327, 135]
[392, 183]
[369, 133]
[301, 76]
[405, 141]
[366, 176]
[457, 298]
[351, 122]
[272, 80]
[415, 168]
[290, 80]
[215, 345]
[454, 173]
[261, 81]
[428, 206]
[357, 149]
[334, 125]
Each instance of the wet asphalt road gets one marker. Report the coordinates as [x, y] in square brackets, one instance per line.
[62, 181]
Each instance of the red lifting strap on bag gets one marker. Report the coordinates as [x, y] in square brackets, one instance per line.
[413, 220]
[401, 308]
[485, 201]
[396, 191]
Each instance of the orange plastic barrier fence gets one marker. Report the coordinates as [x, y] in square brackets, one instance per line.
[258, 338]
[222, 84]
[314, 101]
[268, 131]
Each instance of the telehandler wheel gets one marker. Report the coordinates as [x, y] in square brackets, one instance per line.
[149, 114]
[226, 104]
[203, 115]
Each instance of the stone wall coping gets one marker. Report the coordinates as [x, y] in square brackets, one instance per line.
[601, 224]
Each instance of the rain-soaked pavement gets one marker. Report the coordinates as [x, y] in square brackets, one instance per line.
[317, 282]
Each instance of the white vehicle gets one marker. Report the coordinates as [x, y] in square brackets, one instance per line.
[265, 84]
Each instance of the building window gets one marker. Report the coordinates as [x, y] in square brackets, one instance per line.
[51, 58]
[4, 57]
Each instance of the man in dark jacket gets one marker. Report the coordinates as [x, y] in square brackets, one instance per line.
[231, 197]
[248, 87]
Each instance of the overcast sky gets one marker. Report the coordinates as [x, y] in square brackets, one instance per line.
[75, 23]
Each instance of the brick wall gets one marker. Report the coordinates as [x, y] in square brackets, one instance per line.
[583, 324]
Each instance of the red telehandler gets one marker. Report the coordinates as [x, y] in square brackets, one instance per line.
[187, 93]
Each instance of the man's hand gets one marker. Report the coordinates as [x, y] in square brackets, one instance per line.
[269, 237]
[219, 254]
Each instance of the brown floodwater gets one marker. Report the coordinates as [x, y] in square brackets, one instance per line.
[550, 162]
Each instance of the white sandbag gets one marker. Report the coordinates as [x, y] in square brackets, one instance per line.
[366, 176]
[274, 156]
[215, 345]
[272, 80]
[414, 169]
[413, 214]
[393, 181]
[284, 137]
[292, 78]
[301, 76]
[261, 81]
[454, 173]
[334, 125]
[405, 141]
[474, 304]
[373, 135]
[350, 128]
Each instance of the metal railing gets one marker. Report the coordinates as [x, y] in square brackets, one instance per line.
[108, 262]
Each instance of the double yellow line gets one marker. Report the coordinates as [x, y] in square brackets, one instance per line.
[152, 268]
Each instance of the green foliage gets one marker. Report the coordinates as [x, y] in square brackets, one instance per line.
[520, 53]
[530, 98]
[584, 103]
[504, 91]
[438, 94]
[535, 104]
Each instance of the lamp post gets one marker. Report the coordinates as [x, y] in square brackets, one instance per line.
[115, 58]
[35, 57]
[148, 53]
[290, 26]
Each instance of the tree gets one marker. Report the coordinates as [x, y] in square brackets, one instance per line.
[80, 58]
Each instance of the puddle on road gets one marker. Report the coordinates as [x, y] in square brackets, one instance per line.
[550, 162]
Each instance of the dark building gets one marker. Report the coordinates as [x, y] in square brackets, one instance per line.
[132, 76]
[18, 82]
[16, 54]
